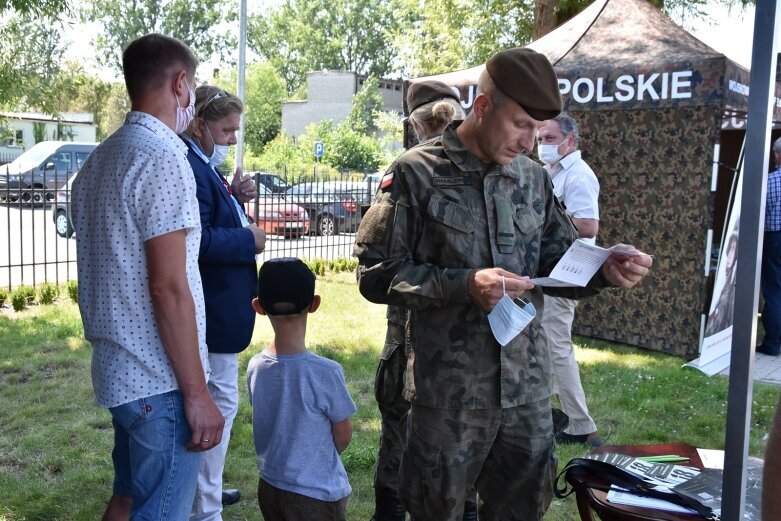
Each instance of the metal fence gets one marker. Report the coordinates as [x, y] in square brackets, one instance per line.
[304, 215]
[8, 156]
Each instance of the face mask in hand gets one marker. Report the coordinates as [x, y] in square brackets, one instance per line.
[508, 319]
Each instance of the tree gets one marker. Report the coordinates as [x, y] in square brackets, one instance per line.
[29, 53]
[353, 150]
[73, 90]
[367, 102]
[36, 8]
[452, 34]
[549, 14]
[264, 92]
[307, 35]
[193, 24]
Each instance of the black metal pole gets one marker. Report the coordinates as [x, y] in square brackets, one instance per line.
[752, 226]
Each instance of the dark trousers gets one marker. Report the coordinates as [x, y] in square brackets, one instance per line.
[771, 290]
[280, 505]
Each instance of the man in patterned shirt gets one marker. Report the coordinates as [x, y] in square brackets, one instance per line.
[771, 261]
[137, 226]
[458, 222]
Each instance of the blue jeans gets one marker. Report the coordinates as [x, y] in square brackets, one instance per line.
[152, 465]
[771, 290]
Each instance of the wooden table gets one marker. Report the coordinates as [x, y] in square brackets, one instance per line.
[590, 499]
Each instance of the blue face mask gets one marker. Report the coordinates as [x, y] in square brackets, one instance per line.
[219, 152]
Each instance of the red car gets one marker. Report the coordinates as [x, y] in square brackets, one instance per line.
[276, 216]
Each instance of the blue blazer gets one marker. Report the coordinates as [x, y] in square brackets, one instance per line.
[227, 263]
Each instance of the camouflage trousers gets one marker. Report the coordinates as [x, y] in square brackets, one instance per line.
[507, 454]
[388, 391]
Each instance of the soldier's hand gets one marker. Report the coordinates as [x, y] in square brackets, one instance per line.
[485, 286]
[626, 266]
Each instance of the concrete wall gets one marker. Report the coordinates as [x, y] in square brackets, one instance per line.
[330, 96]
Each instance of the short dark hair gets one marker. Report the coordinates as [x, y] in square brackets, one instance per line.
[149, 60]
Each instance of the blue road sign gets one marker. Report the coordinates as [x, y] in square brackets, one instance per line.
[319, 148]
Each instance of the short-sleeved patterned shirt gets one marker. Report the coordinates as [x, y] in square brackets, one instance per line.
[135, 186]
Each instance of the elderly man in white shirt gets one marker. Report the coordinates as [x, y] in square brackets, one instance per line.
[576, 186]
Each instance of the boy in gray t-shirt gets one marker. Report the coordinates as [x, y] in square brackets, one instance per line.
[300, 405]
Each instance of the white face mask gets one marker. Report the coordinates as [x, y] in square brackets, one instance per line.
[219, 152]
[507, 319]
[549, 154]
[184, 115]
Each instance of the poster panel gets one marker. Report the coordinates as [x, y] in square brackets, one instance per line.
[717, 341]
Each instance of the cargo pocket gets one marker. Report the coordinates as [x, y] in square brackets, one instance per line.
[451, 234]
[526, 219]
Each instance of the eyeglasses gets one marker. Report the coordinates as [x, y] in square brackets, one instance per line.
[220, 94]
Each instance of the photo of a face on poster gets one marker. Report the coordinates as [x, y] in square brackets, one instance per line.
[723, 302]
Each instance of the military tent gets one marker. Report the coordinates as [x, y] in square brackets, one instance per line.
[662, 120]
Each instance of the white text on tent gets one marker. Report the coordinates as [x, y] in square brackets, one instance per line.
[665, 85]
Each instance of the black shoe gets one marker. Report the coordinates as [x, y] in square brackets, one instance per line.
[762, 348]
[575, 439]
[387, 506]
[230, 496]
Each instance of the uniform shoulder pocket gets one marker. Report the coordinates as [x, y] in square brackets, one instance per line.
[527, 219]
[451, 214]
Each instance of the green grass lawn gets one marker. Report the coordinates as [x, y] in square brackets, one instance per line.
[55, 442]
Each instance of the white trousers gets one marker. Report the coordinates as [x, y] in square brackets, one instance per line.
[224, 389]
[557, 318]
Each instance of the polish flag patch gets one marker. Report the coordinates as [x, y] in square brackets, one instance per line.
[387, 179]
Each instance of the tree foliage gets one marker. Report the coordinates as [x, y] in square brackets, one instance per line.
[35, 8]
[77, 91]
[308, 35]
[125, 21]
[367, 102]
[264, 91]
[30, 52]
[447, 35]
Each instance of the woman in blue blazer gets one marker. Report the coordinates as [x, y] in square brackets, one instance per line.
[228, 271]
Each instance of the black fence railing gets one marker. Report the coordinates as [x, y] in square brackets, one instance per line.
[304, 216]
[31, 251]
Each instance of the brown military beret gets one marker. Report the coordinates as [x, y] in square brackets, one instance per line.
[527, 77]
[427, 91]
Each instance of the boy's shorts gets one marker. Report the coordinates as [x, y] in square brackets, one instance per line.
[280, 505]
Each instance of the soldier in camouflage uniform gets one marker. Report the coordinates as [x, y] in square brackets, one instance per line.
[432, 105]
[456, 220]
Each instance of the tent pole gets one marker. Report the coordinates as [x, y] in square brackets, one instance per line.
[752, 227]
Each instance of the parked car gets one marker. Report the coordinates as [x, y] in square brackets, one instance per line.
[61, 210]
[276, 216]
[333, 206]
[373, 181]
[275, 183]
[47, 166]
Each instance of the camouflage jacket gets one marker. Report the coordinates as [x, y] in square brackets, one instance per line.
[445, 213]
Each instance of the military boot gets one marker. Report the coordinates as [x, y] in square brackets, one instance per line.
[387, 506]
